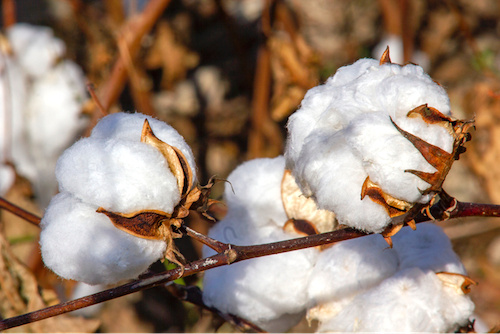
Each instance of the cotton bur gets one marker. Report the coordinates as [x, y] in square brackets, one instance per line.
[118, 189]
[374, 141]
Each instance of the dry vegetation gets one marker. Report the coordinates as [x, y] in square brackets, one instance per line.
[228, 85]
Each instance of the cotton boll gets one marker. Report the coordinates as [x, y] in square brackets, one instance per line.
[7, 177]
[35, 47]
[53, 122]
[128, 126]
[409, 301]
[350, 267]
[269, 291]
[343, 133]
[427, 248]
[254, 190]
[120, 176]
[80, 244]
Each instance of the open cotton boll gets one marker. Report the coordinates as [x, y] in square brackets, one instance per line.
[120, 176]
[78, 243]
[342, 135]
[427, 248]
[349, 267]
[128, 126]
[35, 47]
[410, 301]
[269, 291]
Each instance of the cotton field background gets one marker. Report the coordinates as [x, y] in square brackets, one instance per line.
[226, 74]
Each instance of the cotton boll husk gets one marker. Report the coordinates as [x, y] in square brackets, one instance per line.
[254, 190]
[349, 267]
[410, 301]
[269, 291]
[78, 243]
[427, 248]
[35, 47]
[120, 176]
[128, 126]
[329, 170]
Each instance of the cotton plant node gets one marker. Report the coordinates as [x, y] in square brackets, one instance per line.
[159, 225]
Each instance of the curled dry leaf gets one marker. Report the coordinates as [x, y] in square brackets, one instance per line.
[461, 283]
[303, 209]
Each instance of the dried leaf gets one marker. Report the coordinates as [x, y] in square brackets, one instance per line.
[299, 207]
[461, 283]
[177, 162]
[394, 207]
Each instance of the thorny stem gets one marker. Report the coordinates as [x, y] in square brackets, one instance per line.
[446, 208]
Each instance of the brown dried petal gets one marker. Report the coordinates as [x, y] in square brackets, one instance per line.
[300, 226]
[143, 224]
[385, 59]
[299, 207]
[461, 283]
[394, 207]
[177, 162]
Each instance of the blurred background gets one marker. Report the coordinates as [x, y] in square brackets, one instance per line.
[227, 74]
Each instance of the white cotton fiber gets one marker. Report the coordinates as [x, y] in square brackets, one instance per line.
[35, 47]
[270, 291]
[80, 244]
[427, 248]
[128, 126]
[410, 301]
[120, 176]
[343, 134]
[350, 267]
[253, 189]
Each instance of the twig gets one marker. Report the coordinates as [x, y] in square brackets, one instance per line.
[29, 217]
[9, 13]
[446, 208]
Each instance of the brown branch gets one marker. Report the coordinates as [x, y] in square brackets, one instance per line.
[9, 13]
[29, 217]
[446, 208]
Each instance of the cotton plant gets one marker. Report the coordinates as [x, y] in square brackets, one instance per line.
[274, 292]
[120, 192]
[42, 107]
[269, 291]
[374, 143]
[419, 285]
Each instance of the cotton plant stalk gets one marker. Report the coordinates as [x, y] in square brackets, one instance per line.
[122, 192]
[373, 142]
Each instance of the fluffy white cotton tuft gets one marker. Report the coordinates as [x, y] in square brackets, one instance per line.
[35, 47]
[410, 301]
[128, 126]
[80, 244]
[269, 291]
[343, 134]
[350, 267]
[120, 176]
[113, 170]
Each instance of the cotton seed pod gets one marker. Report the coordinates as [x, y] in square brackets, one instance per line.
[373, 141]
[133, 185]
